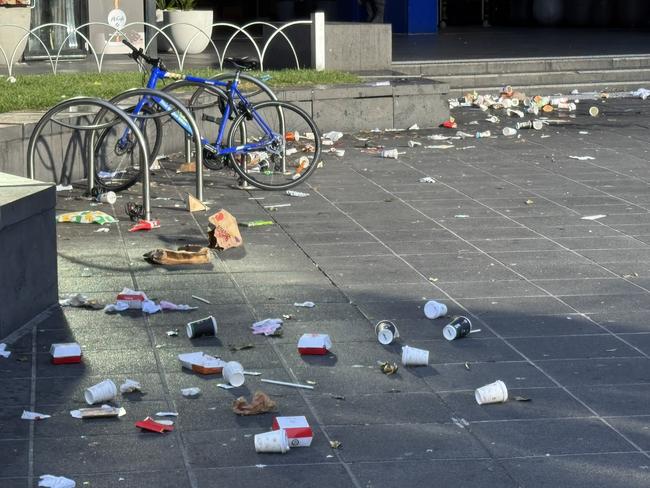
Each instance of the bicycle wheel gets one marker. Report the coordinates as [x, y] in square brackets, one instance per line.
[285, 145]
[117, 154]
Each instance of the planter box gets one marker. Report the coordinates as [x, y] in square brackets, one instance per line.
[11, 36]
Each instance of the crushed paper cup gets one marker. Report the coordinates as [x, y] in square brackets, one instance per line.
[65, 353]
[130, 386]
[201, 363]
[274, 441]
[314, 344]
[297, 428]
[105, 411]
[190, 392]
[101, 392]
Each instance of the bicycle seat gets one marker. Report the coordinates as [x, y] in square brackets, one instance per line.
[245, 63]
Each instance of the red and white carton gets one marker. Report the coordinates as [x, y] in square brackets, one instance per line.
[201, 363]
[298, 430]
[132, 298]
[318, 344]
[65, 353]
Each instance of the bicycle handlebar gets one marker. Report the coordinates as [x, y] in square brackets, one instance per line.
[139, 53]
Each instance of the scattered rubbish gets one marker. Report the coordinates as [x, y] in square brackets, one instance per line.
[386, 332]
[145, 225]
[299, 194]
[200, 299]
[582, 158]
[388, 368]
[583, 132]
[529, 202]
[155, 166]
[101, 392]
[440, 146]
[87, 217]
[427, 179]
[130, 386]
[390, 154]
[137, 300]
[252, 373]
[225, 386]
[467, 366]
[260, 403]
[201, 363]
[187, 168]
[3, 351]
[103, 229]
[284, 383]
[337, 397]
[412, 356]
[223, 232]
[191, 392]
[632, 275]
[64, 188]
[461, 216]
[49, 481]
[414, 127]
[275, 441]
[458, 328]
[481, 135]
[267, 326]
[333, 135]
[303, 164]
[531, 124]
[193, 204]
[297, 428]
[642, 93]
[107, 197]
[155, 426]
[522, 399]
[202, 327]
[233, 373]
[414, 143]
[438, 137]
[105, 411]
[172, 333]
[493, 393]
[243, 347]
[314, 344]
[256, 223]
[493, 119]
[434, 310]
[338, 152]
[65, 353]
[166, 414]
[304, 304]
[593, 217]
[594, 111]
[276, 206]
[34, 416]
[185, 255]
[336, 444]
[515, 113]
[449, 123]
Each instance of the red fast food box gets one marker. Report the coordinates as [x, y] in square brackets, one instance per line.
[133, 298]
[153, 426]
[318, 344]
[65, 353]
[298, 430]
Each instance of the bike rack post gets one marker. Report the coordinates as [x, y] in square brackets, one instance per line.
[85, 101]
[176, 103]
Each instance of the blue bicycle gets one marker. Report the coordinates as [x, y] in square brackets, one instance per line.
[272, 145]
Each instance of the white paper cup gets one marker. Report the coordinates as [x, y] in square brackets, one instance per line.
[433, 309]
[412, 356]
[274, 441]
[101, 392]
[233, 373]
[108, 197]
[386, 332]
[538, 124]
[493, 393]
[594, 111]
[509, 131]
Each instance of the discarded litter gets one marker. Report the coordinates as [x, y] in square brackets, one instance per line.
[267, 326]
[225, 386]
[243, 347]
[64, 188]
[458, 328]
[137, 300]
[191, 392]
[233, 373]
[80, 301]
[390, 154]
[107, 197]
[172, 333]
[103, 229]
[223, 232]
[49, 481]
[101, 392]
[642, 93]
[200, 299]
[145, 225]
[388, 368]
[299, 194]
[493, 393]
[187, 168]
[201, 363]
[3, 351]
[412, 356]
[333, 135]
[87, 217]
[593, 217]
[34, 415]
[414, 143]
[275, 441]
[582, 158]
[386, 332]
[427, 179]
[65, 353]
[155, 426]
[260, 403]
[105, 411]
[450, 123]
[284, 383]
[297, 428]
[277, 205]
[314, 344]
[130, 386]
[202, 327]
[166, 414]
[336, 444]
[193, 204]
[256, 223]
[434, 310]
[185, 255]
[594, 111]
[305, 304]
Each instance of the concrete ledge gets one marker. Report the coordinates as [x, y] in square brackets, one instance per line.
[27, 250]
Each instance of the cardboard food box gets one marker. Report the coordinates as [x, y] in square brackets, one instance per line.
[65, 353]
[133, 298]
[201, 363]
[298, 430]
[316, 344]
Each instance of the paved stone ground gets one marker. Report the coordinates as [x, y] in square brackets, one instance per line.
[563, 305]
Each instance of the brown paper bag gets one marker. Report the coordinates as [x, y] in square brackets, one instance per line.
[185, 255]
[223, 231]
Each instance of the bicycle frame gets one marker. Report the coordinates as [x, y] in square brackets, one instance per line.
[233, 94]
